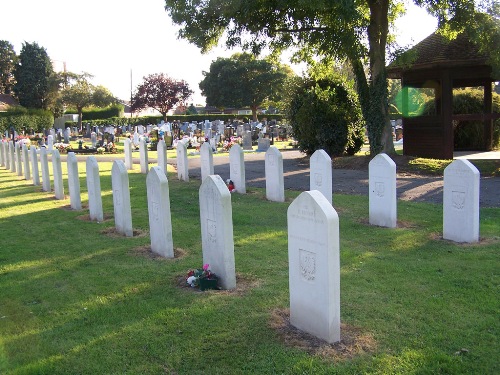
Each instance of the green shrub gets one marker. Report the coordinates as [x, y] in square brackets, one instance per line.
[325, 114]
[27, 119]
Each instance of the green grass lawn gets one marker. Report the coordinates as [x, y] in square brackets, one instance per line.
[75, 299]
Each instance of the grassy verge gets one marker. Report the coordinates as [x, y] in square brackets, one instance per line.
[75, 299]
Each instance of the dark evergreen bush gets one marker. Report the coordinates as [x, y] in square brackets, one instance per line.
[324, 114]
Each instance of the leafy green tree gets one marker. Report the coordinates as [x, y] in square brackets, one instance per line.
[82, 94]
[32, 76]
[242, 80]
[8, 62]
[356, 31]
[160, 92]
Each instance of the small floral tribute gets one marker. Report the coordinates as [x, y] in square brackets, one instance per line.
[202, 278]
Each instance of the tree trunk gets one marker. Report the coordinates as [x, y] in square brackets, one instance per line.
[254, 113]
[80, 115]
[378, 122]
[164, 114]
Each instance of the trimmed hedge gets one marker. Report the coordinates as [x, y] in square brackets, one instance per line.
[22, 118]
[182, 118]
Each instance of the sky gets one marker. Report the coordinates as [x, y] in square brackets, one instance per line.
[121, 41]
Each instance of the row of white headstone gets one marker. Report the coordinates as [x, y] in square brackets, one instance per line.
[313, 228]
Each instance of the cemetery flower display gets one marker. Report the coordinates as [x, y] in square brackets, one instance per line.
[202, 278]
[100, 150]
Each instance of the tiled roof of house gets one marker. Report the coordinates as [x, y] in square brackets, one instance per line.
[7, 101]
[438, 51]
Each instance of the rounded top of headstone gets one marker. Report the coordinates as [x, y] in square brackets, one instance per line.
[311, 203]
[156, 173]
[382, 159]
[461, 167]
[215, 182]
[118, 166]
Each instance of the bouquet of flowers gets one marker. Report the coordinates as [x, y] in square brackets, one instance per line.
[200, 277]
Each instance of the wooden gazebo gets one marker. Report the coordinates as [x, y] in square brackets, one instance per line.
[442, 65]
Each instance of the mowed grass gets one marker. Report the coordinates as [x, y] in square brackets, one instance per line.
[76, 300]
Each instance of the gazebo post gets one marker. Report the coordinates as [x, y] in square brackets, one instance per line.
[488, 122]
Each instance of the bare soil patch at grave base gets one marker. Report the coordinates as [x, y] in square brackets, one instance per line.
[353, 341]
[146, 252]
[243, 285]
[113, 233]
[86, 217]
[401, 224]
[482, 241]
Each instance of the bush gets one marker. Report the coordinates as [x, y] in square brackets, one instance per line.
[325, 114]
[22, 118]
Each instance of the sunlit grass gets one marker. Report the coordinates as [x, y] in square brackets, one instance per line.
[75, 300]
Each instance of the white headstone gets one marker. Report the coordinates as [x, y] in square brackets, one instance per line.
[44, 162]
[314, 266]
[94, 189]
[7, 155]
[206, 160]
[237, 168]
[382, 195]
[12, 156]
[19, 162]
[217, 230]
[50, 142]
[121, 199]
[143, 153]
[320, 177]
[73, 182]
[275, 185]
[26, 157]
[162, 156]
[34, 165]
[461, 202]
[182, 162]
[129, 162]
[2, 153]
[93, 139]
[136, 139]
[160, 222]
[57, 172]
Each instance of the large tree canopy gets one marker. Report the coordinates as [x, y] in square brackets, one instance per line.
[354, 30]
[242, 80]
[82, 94]
[32, 76]
[8, 61]
[160, 92]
